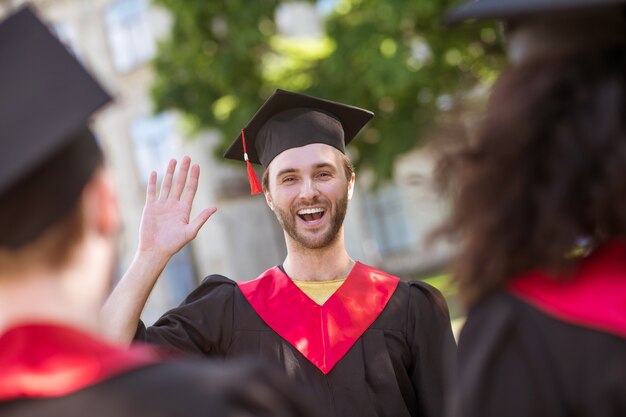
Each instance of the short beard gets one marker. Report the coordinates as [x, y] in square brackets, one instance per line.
[288, 222]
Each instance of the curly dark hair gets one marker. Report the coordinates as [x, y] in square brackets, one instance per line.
[545, 169]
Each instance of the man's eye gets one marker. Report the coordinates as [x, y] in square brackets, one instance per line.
[289, 179]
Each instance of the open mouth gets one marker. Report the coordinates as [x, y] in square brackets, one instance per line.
[311, 214]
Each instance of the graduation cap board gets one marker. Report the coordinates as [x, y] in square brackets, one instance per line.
[507, 9]
[46, 96]
[289, 120]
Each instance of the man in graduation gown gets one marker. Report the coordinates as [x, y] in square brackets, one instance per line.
[540, 200]
[58, 221]
[366, 343]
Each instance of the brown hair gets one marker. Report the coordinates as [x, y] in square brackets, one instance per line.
[40, 216]
[546, 168]
[348, 169]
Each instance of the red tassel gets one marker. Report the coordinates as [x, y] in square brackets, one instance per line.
[255, 185]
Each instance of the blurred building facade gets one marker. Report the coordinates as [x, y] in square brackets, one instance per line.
[115, 40]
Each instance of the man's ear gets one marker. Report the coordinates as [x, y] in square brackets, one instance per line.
[100, 204]
[268, 199]
[351, 186]
[266, 190]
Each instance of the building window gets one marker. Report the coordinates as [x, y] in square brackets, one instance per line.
[388, 221]
[179, 277]
[67, 35]
[298, 19]
[155, 141]
[129, 34]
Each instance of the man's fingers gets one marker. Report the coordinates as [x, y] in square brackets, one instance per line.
[199, 221]
[151, 190]
[181, 178]
[167, 180]
[192, 185]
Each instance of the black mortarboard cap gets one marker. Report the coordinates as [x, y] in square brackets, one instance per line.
[46, 96]
[507, 9]
[290, 120]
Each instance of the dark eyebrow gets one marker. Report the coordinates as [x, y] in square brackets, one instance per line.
[286, 171]
[324, 165]
[294, 170]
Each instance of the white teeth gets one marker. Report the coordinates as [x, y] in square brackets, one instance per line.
[311, 211]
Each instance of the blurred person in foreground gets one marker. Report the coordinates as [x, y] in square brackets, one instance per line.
[58, 221]
[365, 343]
[539, 210]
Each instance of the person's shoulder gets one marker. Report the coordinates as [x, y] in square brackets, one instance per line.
[423, 289]
[425, 296]
[501, 309]
[490, 317]
[214, 286]
[499, 325]
[504, 336]
[217, 280]
[227, 389]
[531, 319]
[500, 301]
[183, 377]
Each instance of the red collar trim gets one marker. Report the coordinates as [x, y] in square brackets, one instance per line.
[44, 360]
[323, 334]
[594, 297]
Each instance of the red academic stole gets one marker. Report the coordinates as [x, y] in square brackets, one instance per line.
[43, 360]
[595, 296]
[323, 334]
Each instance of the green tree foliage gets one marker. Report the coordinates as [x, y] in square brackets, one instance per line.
[394, 57]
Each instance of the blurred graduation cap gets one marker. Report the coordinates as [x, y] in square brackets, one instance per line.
[46, 97]
[507, 9]
[290, 120]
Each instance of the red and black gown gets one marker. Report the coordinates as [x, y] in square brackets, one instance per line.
[376, 348]
[49, 370]
[547, 347]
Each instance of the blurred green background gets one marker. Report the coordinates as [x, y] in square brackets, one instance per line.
[187, 75]
[393, 57]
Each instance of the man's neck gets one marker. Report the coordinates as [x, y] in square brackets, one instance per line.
[325, 264]
[43, 298]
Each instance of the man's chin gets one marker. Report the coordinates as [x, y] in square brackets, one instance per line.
[315, 241]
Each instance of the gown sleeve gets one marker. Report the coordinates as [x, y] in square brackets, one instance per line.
[202, 323]
[432, 347]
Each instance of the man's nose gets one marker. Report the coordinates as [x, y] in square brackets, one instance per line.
[308, 189]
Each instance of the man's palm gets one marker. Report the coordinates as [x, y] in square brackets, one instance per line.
[165, 224]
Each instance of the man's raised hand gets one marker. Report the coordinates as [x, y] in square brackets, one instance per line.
[165, 223]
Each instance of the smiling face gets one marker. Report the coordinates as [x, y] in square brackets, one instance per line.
[309, 192]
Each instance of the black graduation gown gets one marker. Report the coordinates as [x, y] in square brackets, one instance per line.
[394, 369]
[521, 357]
[171, 390]
[156, 389]
[516, 361]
